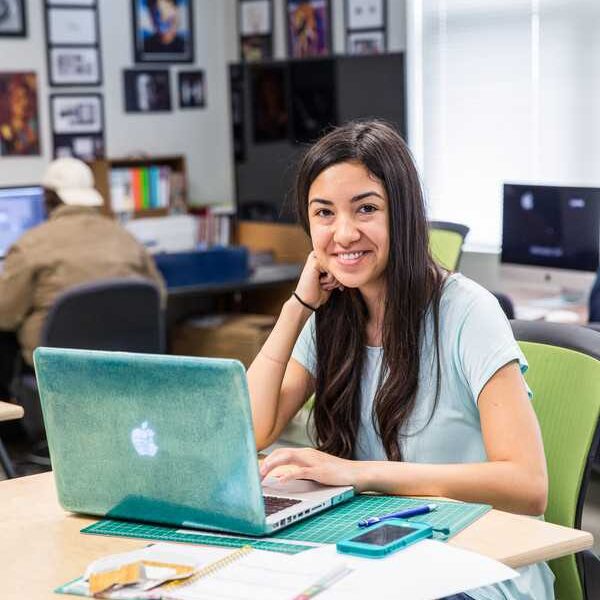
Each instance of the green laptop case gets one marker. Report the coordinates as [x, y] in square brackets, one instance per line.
[140, 436]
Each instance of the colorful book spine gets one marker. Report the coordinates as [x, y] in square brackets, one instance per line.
[136, 188]
[155, 199]
[165, 186]
[145, 188]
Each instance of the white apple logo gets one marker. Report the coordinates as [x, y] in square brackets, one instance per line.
[142, 439]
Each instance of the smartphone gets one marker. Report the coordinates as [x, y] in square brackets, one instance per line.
[384, 538]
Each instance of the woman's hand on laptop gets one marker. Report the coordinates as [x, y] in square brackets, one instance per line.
[308, 463]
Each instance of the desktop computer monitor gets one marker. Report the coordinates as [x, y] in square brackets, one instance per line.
[20, 209]
[551, 236]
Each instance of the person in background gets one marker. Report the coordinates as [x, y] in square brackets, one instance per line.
[416, 374]
[77, 244]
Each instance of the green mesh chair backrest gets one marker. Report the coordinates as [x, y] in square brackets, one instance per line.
[446, 241]
[564, 375]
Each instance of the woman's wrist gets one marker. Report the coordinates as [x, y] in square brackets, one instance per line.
[359, 475]
[299, 298]
[297, 307]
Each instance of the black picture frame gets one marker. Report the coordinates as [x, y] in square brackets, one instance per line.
[74, 58]
[377, 20]
[191, 86]
[365, 42]
[149, 47]
[255, 30]
[72, 3]
[72, 25]
[366, 26]
[303, 39]
[13, 18]
[74, 66]
[147, 90]
[77, 123]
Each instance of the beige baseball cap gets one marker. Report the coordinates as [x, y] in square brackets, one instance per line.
[73, 182]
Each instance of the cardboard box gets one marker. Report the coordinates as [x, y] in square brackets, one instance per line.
[237, 336]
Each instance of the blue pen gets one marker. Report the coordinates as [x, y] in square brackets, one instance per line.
[400, 514]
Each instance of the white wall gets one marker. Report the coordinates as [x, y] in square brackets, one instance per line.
[203, 135]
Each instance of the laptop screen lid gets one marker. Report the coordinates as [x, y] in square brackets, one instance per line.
[149, 437]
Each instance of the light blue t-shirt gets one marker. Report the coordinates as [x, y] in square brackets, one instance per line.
[475, 340]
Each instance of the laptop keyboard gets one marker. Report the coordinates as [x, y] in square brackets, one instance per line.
[274, 504]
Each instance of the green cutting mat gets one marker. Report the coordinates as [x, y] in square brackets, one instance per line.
[328, 527]
[172, 534]
[340, 522]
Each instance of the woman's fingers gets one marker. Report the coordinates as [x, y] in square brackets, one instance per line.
[283, 456]
[296, 473]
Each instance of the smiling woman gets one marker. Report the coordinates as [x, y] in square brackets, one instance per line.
[350, 231]
[417, 378]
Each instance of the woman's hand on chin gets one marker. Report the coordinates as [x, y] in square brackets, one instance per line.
[308, 463]
[315, 283]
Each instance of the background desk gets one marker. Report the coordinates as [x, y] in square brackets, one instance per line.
[41, 547]
[263, 291]
[534, 304]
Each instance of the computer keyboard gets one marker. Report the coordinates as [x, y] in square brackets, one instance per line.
[274, 504]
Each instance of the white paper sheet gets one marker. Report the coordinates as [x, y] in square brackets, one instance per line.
[424, 571]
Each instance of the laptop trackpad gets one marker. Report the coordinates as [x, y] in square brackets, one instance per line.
[296, 486]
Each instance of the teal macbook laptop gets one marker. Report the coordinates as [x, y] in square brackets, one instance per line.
[164, 439]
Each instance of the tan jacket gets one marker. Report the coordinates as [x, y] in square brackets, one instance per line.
[76, 245]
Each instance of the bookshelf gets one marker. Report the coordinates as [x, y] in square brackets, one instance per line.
[142, 186]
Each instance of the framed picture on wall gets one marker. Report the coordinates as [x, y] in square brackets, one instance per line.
[73, 38]
[147, 90]
[71, 2]
[256, 29]
[19, 117]
[366, 28]
[74, 66]
[365, 14]
[192, 91]
[256, 47]
[71, 26]
[163, 31]
[13, 18]
[366, 42]
[255, 17]
[77, 125]
[308, 28]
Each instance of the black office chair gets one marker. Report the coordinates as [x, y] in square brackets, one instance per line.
[110, 314]
[506, 304]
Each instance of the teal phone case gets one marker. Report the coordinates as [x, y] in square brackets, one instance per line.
[355, 546]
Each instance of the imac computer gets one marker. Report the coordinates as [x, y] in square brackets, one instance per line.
[551, 240]
[20, 209]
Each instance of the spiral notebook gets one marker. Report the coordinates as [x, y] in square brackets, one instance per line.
[218, 572]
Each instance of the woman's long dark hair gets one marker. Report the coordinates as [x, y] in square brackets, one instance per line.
[413, 284]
